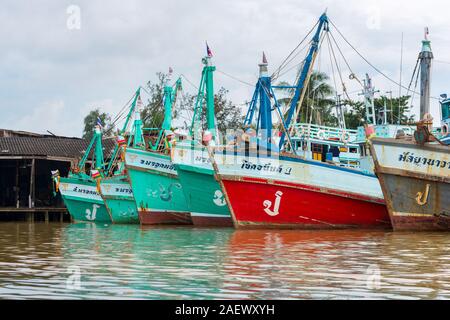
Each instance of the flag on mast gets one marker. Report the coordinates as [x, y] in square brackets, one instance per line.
[99, 122]
[208, 50]
[264, 59]
[121, 141]
[95, 174]
[139, 103]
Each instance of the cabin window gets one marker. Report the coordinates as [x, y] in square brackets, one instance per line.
[317, 151]
[335, 151]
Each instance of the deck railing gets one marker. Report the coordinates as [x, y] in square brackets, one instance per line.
[305, 130]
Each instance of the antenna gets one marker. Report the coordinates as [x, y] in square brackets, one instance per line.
[391, 106]
[400, 82]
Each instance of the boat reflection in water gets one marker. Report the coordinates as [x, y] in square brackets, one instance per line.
[131, 262]
[152, 262]
[337, 264]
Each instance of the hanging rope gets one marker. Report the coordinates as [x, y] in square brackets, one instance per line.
[370, 64]
[298, 107]
[280, 74]
[353, 75]
[235, 78]
[282, 65]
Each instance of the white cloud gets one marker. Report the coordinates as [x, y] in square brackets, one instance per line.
[46, 116]
[122, 45]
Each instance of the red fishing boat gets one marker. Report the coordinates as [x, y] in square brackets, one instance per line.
[292, 189]
[291, 192]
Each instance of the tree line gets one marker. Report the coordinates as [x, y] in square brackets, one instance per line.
[318, 107]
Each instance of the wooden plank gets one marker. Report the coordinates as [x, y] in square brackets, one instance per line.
[17, 184]
[31, 196]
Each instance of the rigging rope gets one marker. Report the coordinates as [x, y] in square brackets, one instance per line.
[188, 81]
[369, 63]
[282, 65]
[235, 78]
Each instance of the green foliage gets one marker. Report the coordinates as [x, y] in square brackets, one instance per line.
[318, 103]
[356, 115]
[228, 115]
[91, 120]
[152, 114]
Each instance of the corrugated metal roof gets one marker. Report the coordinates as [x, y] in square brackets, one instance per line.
[58, 147]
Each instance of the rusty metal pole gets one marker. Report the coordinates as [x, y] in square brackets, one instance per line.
[425, 56]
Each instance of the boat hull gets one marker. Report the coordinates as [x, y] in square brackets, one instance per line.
[288, 192]
[156, 188]
[119, 201]
[83, 201]
[203, 192]
[415, 182]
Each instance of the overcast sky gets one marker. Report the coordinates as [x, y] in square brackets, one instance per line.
[54, 69]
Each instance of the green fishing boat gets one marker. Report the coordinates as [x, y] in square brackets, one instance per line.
[118, 197]
[154, 180]
[115, 189]
[192, 162]
[80, 190]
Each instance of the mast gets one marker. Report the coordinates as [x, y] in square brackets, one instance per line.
[264, 100]
[205, 95]
[368, 93]
[303, 80]
[425, 56]
[98, 151]
[136, 132]
[99, 161]
[169, 97]
[167, 123]
[124, 128]
[210, 115]
[262, 95]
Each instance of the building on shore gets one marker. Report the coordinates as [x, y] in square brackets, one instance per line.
[26, 161]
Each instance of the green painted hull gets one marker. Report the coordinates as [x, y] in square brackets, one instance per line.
[202, 191]
[118, 197]
[156, 188]
[83, 201]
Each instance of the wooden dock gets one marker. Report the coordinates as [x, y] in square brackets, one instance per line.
[35, 214]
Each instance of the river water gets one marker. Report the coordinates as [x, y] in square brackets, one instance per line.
[87, 261]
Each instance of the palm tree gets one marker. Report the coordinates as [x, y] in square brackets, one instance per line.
[318, 102]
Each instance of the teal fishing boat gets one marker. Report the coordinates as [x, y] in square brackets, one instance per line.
[154, 180]
[115, 189]
[192, 161]
[79, 190]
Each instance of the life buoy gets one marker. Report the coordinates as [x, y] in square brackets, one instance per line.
[345, 137]
[321, 134]
[294, 132]
[444, 130]
[302, 132]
